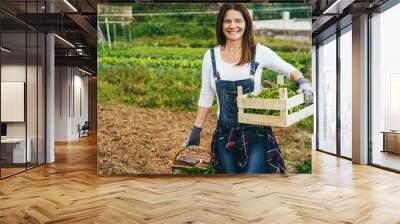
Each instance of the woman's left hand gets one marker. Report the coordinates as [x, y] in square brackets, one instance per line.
[306, 88]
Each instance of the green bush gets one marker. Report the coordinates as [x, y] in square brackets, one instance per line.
[306, 167]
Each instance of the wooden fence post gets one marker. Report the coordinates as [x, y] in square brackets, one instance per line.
[283, 96]
[280, 80]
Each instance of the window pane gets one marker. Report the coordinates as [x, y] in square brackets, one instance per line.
[385, 83]
[327, 97]
[346, 94]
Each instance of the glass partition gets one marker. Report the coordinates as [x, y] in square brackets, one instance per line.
[22, 89]
[41, 86]
[13, 105]
[31, 100]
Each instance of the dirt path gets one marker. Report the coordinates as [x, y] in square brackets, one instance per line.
[134, 140]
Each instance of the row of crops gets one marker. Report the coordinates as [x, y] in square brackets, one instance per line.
[165, 87]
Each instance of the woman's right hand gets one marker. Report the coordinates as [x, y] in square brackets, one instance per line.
[194, 137]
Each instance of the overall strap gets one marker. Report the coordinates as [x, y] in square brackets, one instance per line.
[214, 65]
[254, 64]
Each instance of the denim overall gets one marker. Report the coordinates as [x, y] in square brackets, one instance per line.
[237, 147]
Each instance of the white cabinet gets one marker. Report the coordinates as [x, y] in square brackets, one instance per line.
[18, 149]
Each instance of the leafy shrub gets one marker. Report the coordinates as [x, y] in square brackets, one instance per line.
[306, 167]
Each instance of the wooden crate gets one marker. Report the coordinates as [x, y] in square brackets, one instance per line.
[283, 104]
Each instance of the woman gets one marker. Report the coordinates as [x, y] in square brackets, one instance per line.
[238, 61]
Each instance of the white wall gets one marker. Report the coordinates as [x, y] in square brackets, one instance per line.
[62, 81]
[70, 83]
[79, 117]
[13, 72]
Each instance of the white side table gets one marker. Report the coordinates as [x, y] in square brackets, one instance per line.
[391, 141]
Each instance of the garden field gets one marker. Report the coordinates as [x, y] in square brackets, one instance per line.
[149, 84]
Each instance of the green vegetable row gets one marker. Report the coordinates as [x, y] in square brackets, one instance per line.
[150, 62]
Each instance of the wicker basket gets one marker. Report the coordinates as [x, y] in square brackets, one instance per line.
[283, 104]
[191, 158]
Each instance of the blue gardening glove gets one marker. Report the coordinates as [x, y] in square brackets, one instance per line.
[194, 137]
[305, 87]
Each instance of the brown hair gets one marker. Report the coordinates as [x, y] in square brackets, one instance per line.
[248, 37]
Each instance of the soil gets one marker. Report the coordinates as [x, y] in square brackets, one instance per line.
[134, 140]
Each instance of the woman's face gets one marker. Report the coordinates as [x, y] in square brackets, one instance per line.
[233, 25]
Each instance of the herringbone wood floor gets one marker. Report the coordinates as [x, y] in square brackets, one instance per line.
[70, 191]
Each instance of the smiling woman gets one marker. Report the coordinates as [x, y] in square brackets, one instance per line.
[233, 28]
[238, 61]
[235, 33]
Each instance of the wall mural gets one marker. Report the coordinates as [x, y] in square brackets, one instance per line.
[168, 104]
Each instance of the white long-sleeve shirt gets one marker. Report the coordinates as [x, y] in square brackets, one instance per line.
[264, 55]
